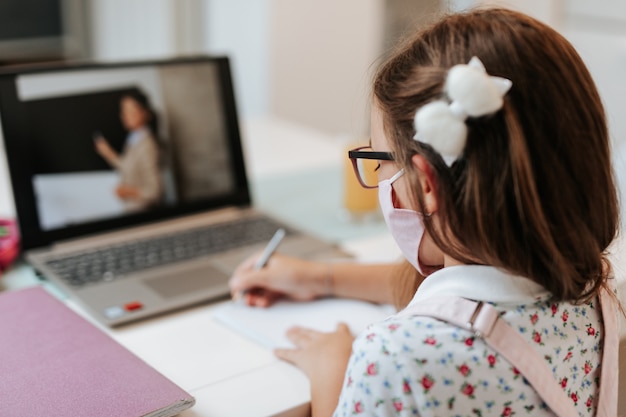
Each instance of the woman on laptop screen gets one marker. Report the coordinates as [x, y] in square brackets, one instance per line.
[138, 164]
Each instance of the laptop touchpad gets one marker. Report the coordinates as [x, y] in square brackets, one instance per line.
[205, 279]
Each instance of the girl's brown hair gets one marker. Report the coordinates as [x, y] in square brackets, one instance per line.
[533, 192]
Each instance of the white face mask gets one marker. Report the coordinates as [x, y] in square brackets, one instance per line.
[406, 226]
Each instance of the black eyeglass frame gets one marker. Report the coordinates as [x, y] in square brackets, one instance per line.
[358, 153]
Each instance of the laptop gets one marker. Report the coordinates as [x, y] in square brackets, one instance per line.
[130, 183]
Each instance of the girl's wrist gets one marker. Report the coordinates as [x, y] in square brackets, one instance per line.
[329, 280]
[324, 280]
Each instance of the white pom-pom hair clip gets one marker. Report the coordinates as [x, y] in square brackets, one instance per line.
[473, 93]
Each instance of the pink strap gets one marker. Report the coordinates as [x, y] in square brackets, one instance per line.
[484, 320]
[607, 398]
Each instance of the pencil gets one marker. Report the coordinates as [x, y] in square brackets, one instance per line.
[269, 250]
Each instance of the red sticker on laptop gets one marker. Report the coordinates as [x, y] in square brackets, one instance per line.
[133, 306]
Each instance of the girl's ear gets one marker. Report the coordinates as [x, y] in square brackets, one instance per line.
[428, 183]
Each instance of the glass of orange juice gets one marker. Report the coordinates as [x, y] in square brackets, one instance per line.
[359, 203]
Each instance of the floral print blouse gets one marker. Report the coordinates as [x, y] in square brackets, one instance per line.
[420, 366]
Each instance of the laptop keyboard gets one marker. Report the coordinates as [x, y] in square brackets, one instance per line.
[109, 263]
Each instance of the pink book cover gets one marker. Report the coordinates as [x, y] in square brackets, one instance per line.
[55, 363]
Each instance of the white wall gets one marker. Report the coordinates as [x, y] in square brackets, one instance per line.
[599, 35]
[306, 61]
[132, 29]
[240, 29]
[309, 61]
[548, 11]
[321, 53]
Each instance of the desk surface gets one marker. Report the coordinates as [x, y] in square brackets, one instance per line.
[228, 374]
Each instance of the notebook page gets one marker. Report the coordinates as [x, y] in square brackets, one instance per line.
[268, 326]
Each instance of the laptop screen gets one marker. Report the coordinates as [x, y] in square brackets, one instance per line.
[97, 147]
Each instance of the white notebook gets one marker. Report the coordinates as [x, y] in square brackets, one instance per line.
[267, 326]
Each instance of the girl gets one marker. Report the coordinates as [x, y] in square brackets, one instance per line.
[495, 180]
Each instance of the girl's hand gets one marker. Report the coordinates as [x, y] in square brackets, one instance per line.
[323, 357]
[282, 277]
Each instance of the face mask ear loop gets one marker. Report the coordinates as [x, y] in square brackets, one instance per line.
[396, 176]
